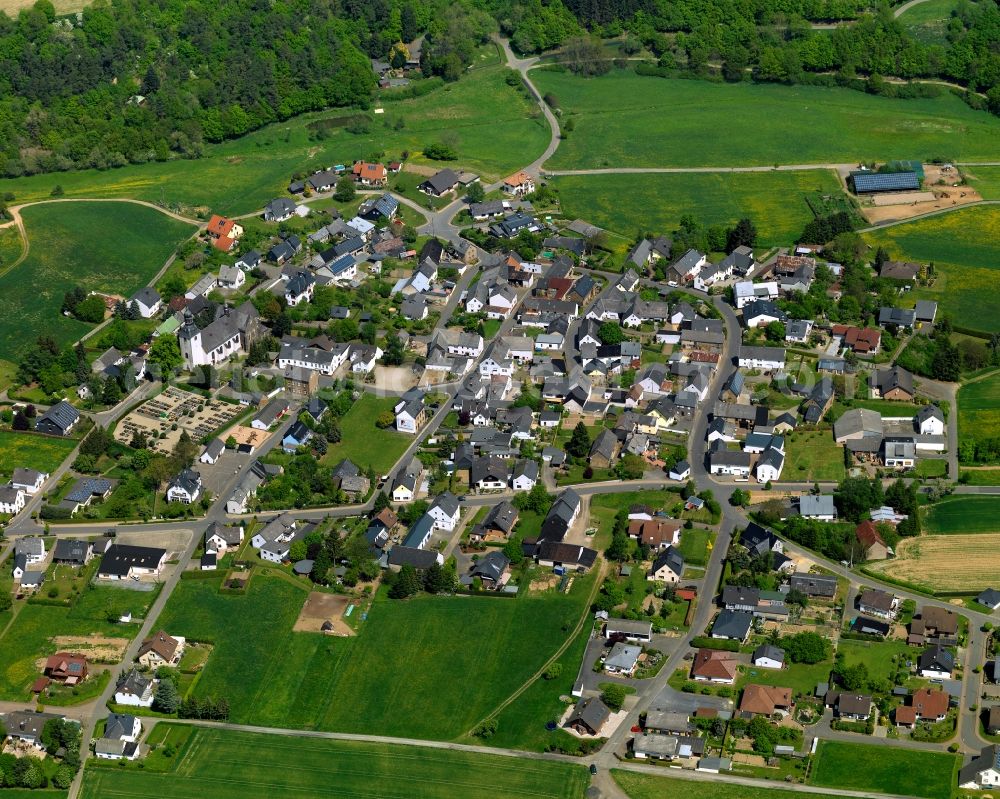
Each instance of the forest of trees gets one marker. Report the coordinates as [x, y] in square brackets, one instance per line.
[137, 80]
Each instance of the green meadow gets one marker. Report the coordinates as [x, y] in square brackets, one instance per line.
[493, 128]
[100, 246]
[623, 119]
[625, 204]
[410, 671]
[961, 245]
[979, 408]
[225, 764]
[963, 514]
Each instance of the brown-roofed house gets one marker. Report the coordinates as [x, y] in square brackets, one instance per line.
[369, 174]
[870, 539]
[67, 668]
[765, 700]
[714, 665]
[161, 650]
[930, 705]
[939, 621]
[905, 716]
[387, 518]
[655, 533]
[899, 270]
[862, 341]
[992, 720]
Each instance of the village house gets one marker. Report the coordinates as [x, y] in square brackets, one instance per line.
[160, 650]
[714, 665]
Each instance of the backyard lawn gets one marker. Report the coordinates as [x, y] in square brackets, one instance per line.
[32, 451]
[493, 128]
[963, 515]
[226, 765]
[696, 545]
[71, 246]
[812, 456]
[364, 443]
[883, 769]
[961, 246]
[877, 656]
[979, 409]
[619, 122]
[800, 677]
[620, 203]
[408, 668]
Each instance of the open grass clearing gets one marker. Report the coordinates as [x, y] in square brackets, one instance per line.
[624, 204]
[928, 21]
[979, 408]
[800, 677]
[62, 7]
[961, 246]
[226, 765]
[984, 179]
[493, 128]
[884, 769]
[880, 657]
[620, 121]
[963, 514]
[946, 562]
[648, 786]
[108, 247]
[980, 477]
[406, 672]
[32, 451]
[812, 456]
[364, 443]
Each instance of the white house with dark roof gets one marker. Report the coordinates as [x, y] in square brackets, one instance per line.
[185, 487]
[28, 480]
[445, 512]
[148, 301]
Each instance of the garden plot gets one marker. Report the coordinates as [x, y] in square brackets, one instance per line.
[162, 418]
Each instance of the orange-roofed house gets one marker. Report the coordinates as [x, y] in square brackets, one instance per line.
[368, 174]
[765, 700]
[714, 665]
[930, 705]
[871, 542]
[519, 184]
[221, 228]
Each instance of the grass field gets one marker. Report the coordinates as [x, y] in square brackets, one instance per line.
[946, 562]
[11, 7]
[646, 786]
[29, 637]
[626, 203]
[70, 246]
[800, 677]
[226, 765]
[884, 769]
[981, 477]
[928, 22]
[32, 451]
[979, 408]
[694, 546]
[364, 443]
[812, 455]
[961, 246]
[984, 179]
[493, 128]
[963, 514]
[619, 121]
[10, 246]
[408, 672]
[877, 656]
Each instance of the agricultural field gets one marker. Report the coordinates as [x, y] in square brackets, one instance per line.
[11, 7]
[960, 245]
[32, 451]
[226, 764]
[979, 408]
[812, 456]
[623, 204]
[946, 562]
[275, 677]
[493, 128]
[364, 443]
[619, 122]
[963, 514]
[647, 786]
[928, 22]
[883, 769]
[70, 246]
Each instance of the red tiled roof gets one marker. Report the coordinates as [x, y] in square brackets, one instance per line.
[765, 699]
[929, 704]
[714, 664]
[868, 535]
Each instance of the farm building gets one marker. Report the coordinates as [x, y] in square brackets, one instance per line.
[878, 182]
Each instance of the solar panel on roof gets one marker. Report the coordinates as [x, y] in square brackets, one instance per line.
[885, 181]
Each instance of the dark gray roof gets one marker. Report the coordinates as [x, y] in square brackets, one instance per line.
[120, 558]
[491, 566]
[672, 558]
[62, 415]
[71, 550]
[443, 181]
[733, 624]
